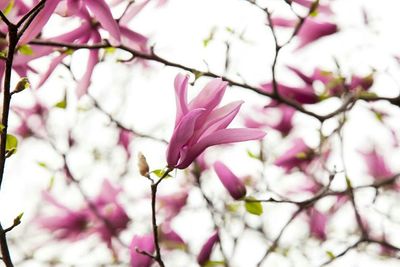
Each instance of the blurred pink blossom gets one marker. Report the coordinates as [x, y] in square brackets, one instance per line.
[231, 182]
[206, 250]
[142, 243]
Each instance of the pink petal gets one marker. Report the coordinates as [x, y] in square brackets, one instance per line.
[84, 82]
[207, 248]
[224, 136]
[181, 85]
[182, 133]
[210, 96]
[231, 182]
[38, 23]
[103, 14]
[142, 243]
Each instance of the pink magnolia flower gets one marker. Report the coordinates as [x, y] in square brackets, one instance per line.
[310, 31]
[303, 95]
[361, 83]
[141, 243]
[200, 124]
[299, 155]
[284, 124]
[32, 120]
[68, 224]
[75, 224]
[335, 85]
[231, 182]
[376, 165]
[318, 222]
[206, 250]
[108, 206]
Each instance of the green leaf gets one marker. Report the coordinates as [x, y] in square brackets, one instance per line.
[25, 50]
[233, 207]
[160, 173]
[42, 164]
[110, 50]
[197, 74]
[330, 254]
[214, 263]
[1, 127]
[253, 206]
[252, 155]
[348, 182]
[51, 182]
[62, 104]
[69, 51]
[9, 7]
[11, 144]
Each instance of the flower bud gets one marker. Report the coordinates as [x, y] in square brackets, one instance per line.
[142, 164]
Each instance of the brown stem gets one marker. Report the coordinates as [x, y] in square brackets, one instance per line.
[154, 187]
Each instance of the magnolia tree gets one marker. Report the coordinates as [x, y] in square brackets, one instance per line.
[199, 133]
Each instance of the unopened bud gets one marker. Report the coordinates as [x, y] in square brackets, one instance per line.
[22, 85]
[142, 164]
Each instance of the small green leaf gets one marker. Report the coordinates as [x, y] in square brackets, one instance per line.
[25, 50]
[253, 206]
[42, 164]
[51, 182]
[160, 173]
[197, 74]
[230, 30]
[69, 51]
[11, 144]
[1, 127]
[9, 7]
[314, 13]
[233, 207]
[330, 254]
[110, 50]
[348, 182]
[252, 155]
[214, 263]
[62, 104]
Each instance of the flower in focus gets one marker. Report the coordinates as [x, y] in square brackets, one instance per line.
[141, 243]
[231, 182]
[200, 124]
